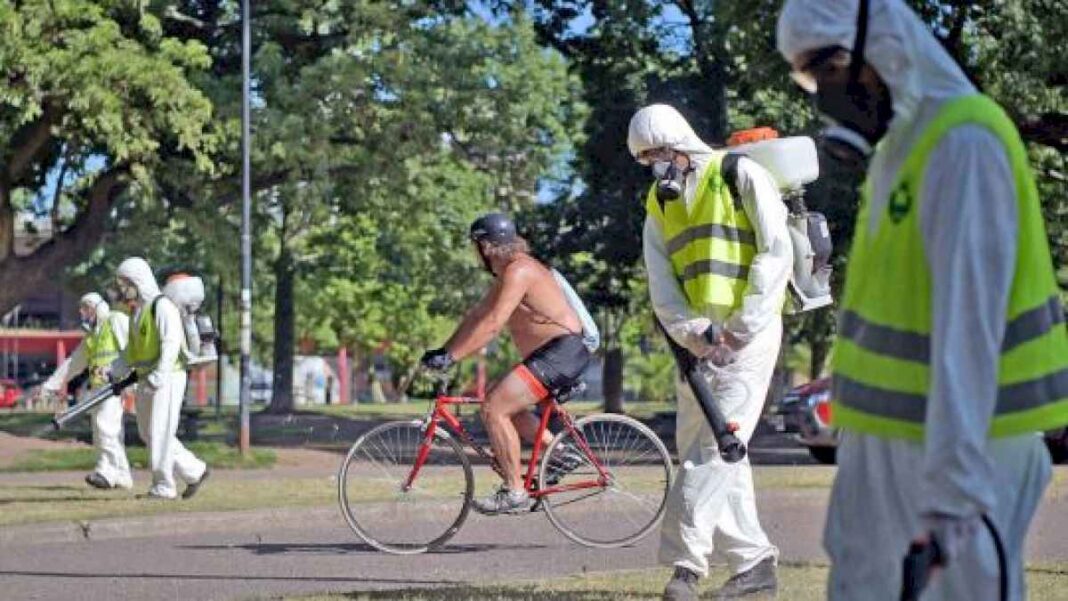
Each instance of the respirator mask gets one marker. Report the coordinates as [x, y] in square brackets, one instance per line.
[844, 109]
[669, 180]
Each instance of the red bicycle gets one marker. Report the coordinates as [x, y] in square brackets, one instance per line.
[405, 487]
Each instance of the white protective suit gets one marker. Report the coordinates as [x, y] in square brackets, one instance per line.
[111, 464]
[160, 394]
[712, 505]
[887, 490]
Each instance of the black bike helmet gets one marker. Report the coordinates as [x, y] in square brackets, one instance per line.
[495, 228]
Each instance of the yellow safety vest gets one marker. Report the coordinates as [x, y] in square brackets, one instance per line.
[883, 353]
[711, 243]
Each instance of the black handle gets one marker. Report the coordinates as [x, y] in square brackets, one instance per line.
[95, 398]
[731, 448]
[916, 568]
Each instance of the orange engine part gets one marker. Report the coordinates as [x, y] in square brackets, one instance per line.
[747, 136]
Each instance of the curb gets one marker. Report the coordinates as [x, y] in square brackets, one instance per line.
[167, 524]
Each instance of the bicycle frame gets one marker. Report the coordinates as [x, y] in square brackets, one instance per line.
[440, 416]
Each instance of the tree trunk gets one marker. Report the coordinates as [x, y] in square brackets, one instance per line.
[820, 350]
[612, 378]
[284, 343]
[7, 224]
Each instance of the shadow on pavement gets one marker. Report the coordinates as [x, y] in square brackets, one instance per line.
[343, 548]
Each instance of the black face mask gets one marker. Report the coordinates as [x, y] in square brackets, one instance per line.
[856, 119]
[669, 180]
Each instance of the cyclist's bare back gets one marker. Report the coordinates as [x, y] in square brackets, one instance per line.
[544, 313]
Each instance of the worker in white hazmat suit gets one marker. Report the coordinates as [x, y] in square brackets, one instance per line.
[105, 337]
[952, 352]
[155, 352]
[713, 259]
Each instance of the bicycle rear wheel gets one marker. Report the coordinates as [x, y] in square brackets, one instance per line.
[630, 504]
[378, 507]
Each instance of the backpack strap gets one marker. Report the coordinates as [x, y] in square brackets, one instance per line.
[728, 170]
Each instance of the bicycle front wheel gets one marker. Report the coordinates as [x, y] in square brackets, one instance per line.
[388, 512]
[626, 507]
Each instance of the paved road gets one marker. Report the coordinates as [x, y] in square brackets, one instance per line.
[319, 555]
[324, 556]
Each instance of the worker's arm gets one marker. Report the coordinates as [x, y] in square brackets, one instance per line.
[772, 264]
[69, 368]
[669, 301]
[968, 220]
[491, 314]
[171, 335]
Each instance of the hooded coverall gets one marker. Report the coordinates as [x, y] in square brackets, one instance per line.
[161, 386]
[111, 464]
[711, 506]
[887, 489]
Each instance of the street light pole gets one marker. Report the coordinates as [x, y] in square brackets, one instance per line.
[246, 234]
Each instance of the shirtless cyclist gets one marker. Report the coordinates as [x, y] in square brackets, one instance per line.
[526, 299]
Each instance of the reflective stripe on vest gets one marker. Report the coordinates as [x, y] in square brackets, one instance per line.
[883, 353]
[711, 243]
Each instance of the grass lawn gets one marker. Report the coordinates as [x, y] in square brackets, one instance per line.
[25, 504]
[39, 424]
[215, 454]
[797, 582]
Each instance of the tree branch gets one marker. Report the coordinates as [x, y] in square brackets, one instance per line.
[65, 247]
[1050, 129]
[29, 141]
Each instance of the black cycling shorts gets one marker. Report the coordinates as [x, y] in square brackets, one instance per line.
[557, 366]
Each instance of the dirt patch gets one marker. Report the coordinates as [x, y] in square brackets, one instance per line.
[12, 446]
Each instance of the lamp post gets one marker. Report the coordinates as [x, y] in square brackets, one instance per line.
[246, 234]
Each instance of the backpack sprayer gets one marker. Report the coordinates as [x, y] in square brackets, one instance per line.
[198, 348]
[792, 163]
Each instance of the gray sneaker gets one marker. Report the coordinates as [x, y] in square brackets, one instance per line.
[682, 586]
[504, 501]
[759, 580]
[563, 463]
[97, 481]
[191, 489]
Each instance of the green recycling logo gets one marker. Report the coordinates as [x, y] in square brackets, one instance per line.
[900, 203]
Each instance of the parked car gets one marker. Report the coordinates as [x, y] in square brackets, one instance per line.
[806, 411]
[10, 392]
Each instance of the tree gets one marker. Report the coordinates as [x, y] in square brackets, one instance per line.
[500, 110]
[96, 96]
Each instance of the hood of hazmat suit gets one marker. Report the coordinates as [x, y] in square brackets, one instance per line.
[138, 272]
[99, 306]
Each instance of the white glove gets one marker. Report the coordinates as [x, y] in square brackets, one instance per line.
[952, 532]
[690, 334]
[154, 380]
[119, 369]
